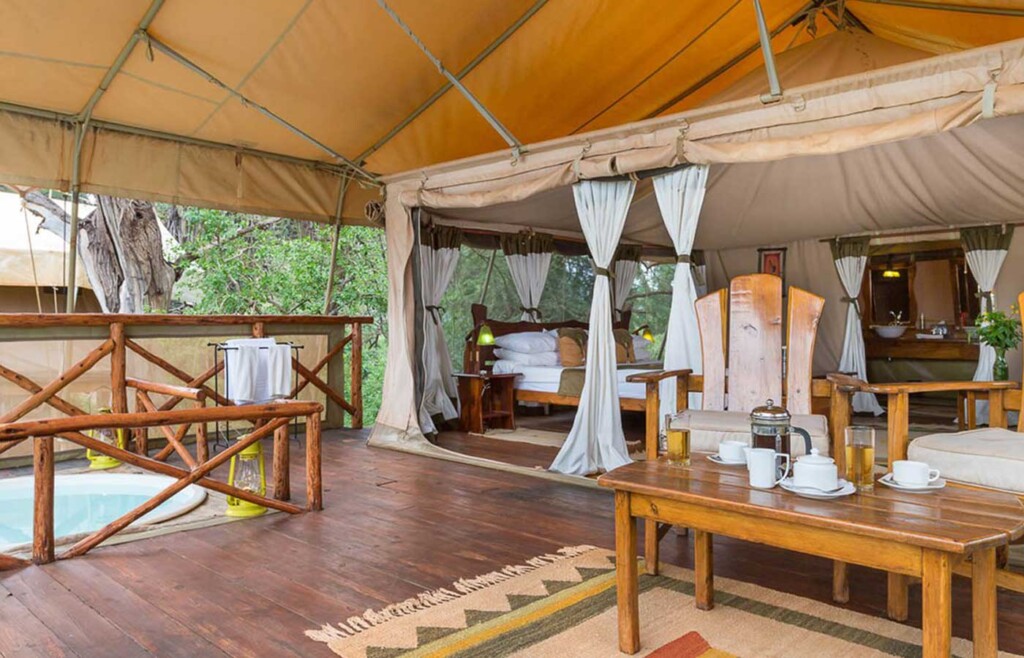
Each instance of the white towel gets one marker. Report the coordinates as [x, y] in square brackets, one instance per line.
[279, 371]
[246, 366]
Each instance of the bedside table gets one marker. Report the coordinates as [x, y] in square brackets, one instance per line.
[486, 400]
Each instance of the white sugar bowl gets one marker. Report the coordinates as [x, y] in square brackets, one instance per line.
[816, 471]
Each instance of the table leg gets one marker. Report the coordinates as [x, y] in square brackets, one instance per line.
[983, 593]
[626, 575]
[703, 568]
[651, 546]
[936, 604]
[840, 582]
[899, 605]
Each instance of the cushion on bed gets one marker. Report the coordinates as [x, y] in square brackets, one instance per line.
[528, 359]
[623, 346]
[988, 457]
[709, 428]
[528, 342]
[572, 346]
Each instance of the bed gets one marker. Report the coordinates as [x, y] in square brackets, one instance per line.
[553, 384]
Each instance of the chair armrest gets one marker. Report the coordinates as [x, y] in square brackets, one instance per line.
[657, 375]
[858, 385]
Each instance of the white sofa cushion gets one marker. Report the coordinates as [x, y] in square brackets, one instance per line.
[709, 428]
[988, 457]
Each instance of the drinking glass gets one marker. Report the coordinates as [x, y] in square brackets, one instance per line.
[678, 444]
[860, 457]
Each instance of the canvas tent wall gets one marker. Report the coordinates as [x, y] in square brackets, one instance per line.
[931, 142]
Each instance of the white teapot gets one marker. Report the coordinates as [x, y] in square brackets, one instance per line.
[816, 471]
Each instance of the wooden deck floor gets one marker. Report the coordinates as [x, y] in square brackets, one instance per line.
[394, 524]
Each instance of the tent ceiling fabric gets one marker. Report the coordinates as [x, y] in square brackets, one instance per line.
[347, 75]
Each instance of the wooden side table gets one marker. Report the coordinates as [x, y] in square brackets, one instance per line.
[487, 400]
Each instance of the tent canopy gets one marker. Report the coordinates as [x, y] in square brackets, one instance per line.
[349, 86]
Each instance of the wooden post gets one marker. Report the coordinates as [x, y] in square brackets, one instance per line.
[840, 582]
[983, 594]
[314, 487]
[627, 591]
[335, 416]
[899, 420]
[282, 480]
[259, 330]
[838, 420]
[703, 570]
[936, 604]
[118, 388]
[141, 433]
[42, 520]
[356, 375]
[202, 442]
[898, 605]
[996, 412]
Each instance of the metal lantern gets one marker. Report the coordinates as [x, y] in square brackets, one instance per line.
[248, 473]
[115, 438]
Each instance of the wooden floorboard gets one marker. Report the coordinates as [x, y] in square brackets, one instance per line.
[394, 524]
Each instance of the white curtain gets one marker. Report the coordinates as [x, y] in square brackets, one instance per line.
[529, 258]
[985, 250]
[680, 195]
[596, 442]
[439, 254]
[700, 274]
[627, 263]
[853, 359]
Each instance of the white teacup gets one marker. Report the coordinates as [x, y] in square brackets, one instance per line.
[913, 474]
[732, 451]
[763, 466]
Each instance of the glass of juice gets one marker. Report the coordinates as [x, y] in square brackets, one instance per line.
[678, 444]
[860, 457]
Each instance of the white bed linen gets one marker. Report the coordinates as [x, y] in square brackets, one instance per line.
[545, 379]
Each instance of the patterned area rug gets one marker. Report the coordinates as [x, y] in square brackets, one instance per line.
[563, 605]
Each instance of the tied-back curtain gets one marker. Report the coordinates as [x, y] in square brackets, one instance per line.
[627, 263]
[528, 255]
[439, 254]
[985, 249]
[596, 442]
[851, 259]
[700, 272]
[680, 195]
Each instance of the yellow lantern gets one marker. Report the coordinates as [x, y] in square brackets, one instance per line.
[116, 438]
[485, 336]
[247, 472]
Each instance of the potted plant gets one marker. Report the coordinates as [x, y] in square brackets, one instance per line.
[1001, 332]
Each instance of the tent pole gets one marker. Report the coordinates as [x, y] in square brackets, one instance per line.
[195, 68]
[490, 118]
[334, 247]
[72, 281]
[487, 277]
[937, 6]
[774, 89]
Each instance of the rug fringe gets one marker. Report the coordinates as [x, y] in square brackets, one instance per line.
[371, 618]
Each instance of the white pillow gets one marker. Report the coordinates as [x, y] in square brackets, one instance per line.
[642, 349]
[528, 342]
[536, 359]
[501, 367]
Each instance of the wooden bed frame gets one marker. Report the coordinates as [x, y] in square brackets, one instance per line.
[476, 358]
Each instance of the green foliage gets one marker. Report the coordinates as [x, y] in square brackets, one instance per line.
[998, 330]
[247, 264]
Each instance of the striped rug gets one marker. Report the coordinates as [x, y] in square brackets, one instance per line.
[563, 606]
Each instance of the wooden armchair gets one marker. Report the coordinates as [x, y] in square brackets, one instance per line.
[974, 444]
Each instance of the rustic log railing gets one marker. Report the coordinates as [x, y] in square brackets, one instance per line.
[271, 418]
[118, 334]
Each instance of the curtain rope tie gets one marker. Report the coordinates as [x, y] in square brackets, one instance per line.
[604, 271]
[683, 258]
[435, 312]
[532, 310]
[853, 301]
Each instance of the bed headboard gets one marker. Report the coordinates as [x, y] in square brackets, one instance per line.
[501, 328]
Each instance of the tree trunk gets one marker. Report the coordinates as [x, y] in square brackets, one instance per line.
[121, 236]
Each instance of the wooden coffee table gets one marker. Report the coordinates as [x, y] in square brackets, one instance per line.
[921, 535]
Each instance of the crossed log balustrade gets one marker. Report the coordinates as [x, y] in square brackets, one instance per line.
[272, 418]
[119, 334]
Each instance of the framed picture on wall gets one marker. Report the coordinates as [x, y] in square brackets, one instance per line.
[772, 260]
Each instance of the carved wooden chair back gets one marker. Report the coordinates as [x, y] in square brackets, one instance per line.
[741, 344]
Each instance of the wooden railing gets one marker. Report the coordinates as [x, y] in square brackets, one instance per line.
[119, 334]
[272, 418]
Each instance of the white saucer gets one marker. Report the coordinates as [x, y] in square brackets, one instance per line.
[718, 460]
[893, 484]
[846, 488]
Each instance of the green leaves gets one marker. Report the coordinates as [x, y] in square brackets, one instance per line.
[998, 330]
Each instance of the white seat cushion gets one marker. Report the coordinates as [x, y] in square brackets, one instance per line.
[709, 428]
[989, 457]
